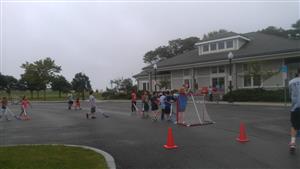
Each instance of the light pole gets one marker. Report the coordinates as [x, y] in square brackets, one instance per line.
[155, 68]
[230, 57]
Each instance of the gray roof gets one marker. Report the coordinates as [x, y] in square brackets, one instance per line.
[260, 44]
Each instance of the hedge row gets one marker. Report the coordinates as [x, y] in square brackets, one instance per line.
[258, 94]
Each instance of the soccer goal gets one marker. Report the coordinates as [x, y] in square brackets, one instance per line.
[191, 110]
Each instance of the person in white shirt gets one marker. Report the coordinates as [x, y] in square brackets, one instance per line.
[294, 88]
[92, 102]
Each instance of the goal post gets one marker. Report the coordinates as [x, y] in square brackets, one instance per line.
[191, 110]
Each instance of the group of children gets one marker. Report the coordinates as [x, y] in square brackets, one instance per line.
[71, 102]
[163, 101]
[7, 113]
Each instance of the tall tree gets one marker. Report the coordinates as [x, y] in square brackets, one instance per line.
[81, 83]
[39, 74]
[60, 84]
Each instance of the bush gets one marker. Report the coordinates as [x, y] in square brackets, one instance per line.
[257, 94]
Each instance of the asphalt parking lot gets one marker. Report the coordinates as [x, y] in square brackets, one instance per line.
[138, 143]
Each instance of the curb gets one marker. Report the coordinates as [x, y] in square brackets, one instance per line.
[108, 158]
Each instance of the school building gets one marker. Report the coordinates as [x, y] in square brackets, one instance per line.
[209, 64]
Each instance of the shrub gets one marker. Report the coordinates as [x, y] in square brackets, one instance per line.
[257, 94]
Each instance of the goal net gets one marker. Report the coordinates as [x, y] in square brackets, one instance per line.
[191, 110]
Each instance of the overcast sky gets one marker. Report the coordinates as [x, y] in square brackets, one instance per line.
[107, 40]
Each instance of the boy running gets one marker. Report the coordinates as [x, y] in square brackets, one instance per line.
[294, 87]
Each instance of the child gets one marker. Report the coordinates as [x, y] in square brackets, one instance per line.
[133, 101]
[92, 102]
[182, 102]
[4, 108]
[77, 104]
[162, 100]
[70, 101]
[145, 101]
[24, 109]
[154, 106]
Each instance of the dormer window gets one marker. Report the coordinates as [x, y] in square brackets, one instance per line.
[213, 46]
[221, 45]
[205, 48]
[229, 44]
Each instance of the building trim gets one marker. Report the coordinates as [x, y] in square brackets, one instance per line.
[222, 39]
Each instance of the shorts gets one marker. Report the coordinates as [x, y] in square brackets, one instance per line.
[167, 110]
[154, 107]
[295, 119]
[93, 109]
[70, 102]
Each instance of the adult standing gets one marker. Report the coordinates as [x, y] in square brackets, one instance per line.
[294, 88]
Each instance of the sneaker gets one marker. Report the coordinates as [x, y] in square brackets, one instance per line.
[292, 146]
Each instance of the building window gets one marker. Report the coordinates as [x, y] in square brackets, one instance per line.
[252, 81]
[229, 44]
[144, 86]
[221, 69]
[218, 83]
[218, 69]
[214, 70]
[245, 68]
[256, 80]
[221, 45]
[213, 46]
[205, 48]
[186, 72]
[247, 81]
[187, 83]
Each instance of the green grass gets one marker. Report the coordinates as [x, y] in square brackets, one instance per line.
[50, 157]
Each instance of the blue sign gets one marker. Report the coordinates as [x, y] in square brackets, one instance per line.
[284, 69]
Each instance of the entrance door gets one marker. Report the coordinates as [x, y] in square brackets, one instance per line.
[218, 83]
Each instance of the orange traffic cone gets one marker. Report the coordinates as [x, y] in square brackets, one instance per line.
[170, 140]
[242, 137]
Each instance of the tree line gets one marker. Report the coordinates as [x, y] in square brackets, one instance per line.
[44, 74]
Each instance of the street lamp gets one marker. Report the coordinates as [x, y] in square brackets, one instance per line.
[155, 68]
[230, 57]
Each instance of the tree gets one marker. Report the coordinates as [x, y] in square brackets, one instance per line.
[8, 83]
[127, 85]
[296, 25]
[81, 83]
[175, 47]
[255, 69]
[38, 75]
[213, 34]
[60, 84]
[164, 84]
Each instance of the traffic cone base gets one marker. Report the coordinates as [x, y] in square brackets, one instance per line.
[242, 140]
[170, 147]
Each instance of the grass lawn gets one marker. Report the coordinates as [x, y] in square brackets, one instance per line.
[50, 157]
